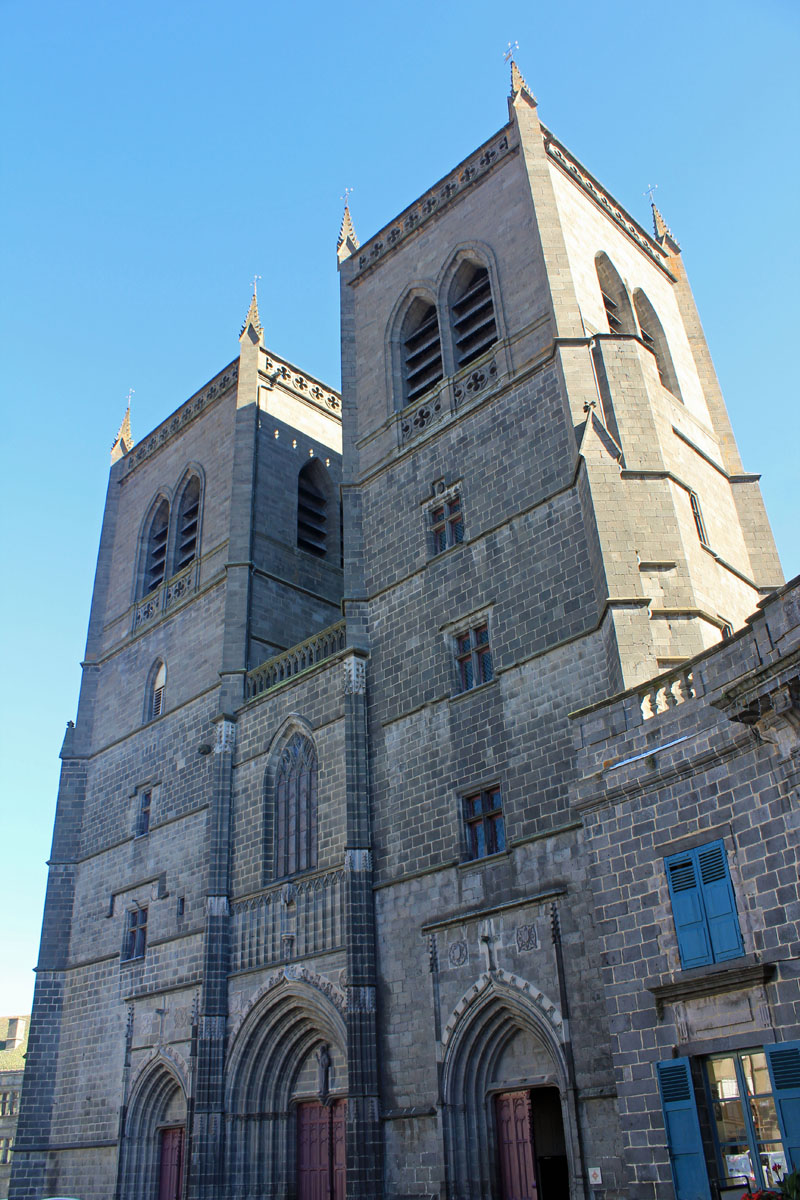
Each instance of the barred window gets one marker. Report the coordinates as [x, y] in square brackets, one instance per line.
[447, 524]
[135, 942]
[474, 657]
[296, 807]
[483, 820]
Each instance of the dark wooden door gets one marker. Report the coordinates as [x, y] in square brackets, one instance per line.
[170, 1169]
[515, 1146]
[321, 1161]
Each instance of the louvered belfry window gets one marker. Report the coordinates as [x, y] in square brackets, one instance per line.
[472, 311]
[157, 696]
[296, 807]
[188, 524]
[422, 350]
[157, 548]
[312, 513]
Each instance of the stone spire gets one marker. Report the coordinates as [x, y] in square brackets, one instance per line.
[348, 242]
[663, 233]
[123, 442]
[519, 87]
[252, 320]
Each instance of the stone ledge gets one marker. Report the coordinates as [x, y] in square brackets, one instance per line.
[712, 980]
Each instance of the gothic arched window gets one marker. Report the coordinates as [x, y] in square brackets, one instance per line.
[616, 301]
[472, 313]
[296, 807]
[312, 509]
[655, 339]
[156, 552]
[156, 690]
[188, 525]
[422, 350]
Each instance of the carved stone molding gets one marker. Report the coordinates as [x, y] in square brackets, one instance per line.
[217, 906]
[180, 419]
[475, 381]
[226, 737]
[357, 860]
[355, 676]
[361, 999]
[421, 418]
[712, 981]
[294, 381]
[771, 707]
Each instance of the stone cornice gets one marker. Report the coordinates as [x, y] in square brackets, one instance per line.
[561, 155]
[182, 416]
[276, 371]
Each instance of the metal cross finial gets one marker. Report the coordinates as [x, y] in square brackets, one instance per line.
[255, 284]
[131, 393]
[512, 46]
[651, 187]
[346, 197]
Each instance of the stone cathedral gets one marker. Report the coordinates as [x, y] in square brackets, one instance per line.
[428, 827]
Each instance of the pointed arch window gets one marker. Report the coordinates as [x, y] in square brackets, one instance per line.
[655, 339]
[187, 528]
[422, 350]
[156, 554]
[156, 692]
[296, 807]
[312, 511]
[472, 313]
[616, 301]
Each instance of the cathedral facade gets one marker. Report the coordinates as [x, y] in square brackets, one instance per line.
[382, 863]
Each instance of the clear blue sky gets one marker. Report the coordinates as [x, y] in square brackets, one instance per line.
[157, 155]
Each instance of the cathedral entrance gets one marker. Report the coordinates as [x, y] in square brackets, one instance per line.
[321, 1162]
[531, 1150]
[170, 1167]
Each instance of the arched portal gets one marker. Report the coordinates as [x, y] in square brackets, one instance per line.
[155, 1133]
[287, 1058]
[508, 1128]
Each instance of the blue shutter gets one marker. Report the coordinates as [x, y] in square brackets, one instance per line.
[719, 902]
[683, 1130]
[688, 911]
[784, 1068]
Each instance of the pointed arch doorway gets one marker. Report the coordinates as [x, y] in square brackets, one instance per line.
[531, 1148]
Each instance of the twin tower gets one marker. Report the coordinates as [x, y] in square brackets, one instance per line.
[318, 921]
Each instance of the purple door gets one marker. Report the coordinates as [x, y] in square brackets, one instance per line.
[170, 1169]
[321, 1151]
[515, 1146]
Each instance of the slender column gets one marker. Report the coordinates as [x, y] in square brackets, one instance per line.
[206, 1173]
[363, 1120]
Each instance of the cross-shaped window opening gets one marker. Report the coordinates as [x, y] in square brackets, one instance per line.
[474, 657]
[447, 524]
[483, 817]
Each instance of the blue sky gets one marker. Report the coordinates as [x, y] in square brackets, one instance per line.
[157, 156]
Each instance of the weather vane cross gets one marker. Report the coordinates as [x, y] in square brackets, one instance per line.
[255, 283]
[651, 187]
[512, 46]
[346, 197]
[131, 394]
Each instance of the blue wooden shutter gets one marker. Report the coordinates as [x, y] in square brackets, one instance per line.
[784, 1068]
[719, 902]
[681, 1122]
[688, 911]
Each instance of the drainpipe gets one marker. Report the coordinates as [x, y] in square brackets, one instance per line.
[555, 927]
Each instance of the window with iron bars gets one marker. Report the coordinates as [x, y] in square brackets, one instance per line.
[474, 657]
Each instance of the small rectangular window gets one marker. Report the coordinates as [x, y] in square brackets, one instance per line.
[698, 518]
[143, 815]
[5, 1150]
[704, 906]
[135, 942]
[447, 524]
[483, 820]
[474, 657]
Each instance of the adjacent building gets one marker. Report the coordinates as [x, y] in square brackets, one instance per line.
[13, 1044]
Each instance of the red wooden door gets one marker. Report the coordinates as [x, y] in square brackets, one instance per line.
[515, 1146]
[170, 1170]
[321, 1151]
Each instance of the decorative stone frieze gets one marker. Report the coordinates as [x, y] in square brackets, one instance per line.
[355, 676]
[184, 415]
